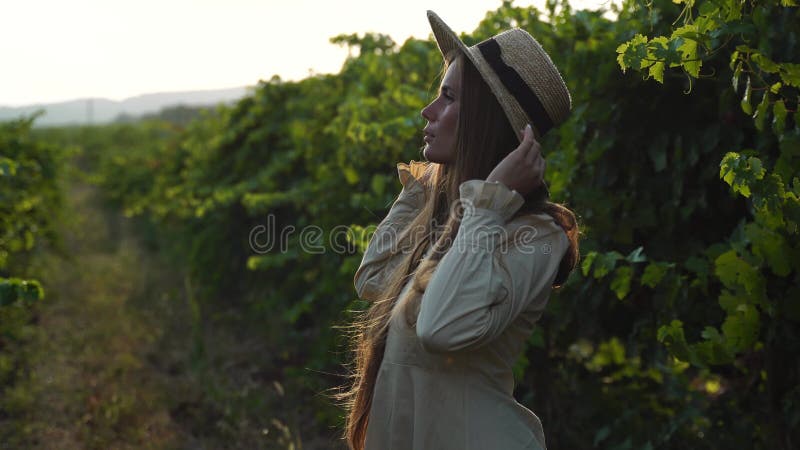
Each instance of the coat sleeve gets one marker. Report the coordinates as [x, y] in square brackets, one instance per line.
[480, 287]
[378, 260]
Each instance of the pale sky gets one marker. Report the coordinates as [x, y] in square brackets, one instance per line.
[55, 50]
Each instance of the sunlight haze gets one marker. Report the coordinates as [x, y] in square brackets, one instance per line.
[55, 50]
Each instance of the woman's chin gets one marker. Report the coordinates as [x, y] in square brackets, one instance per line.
[434, 157]
[430, 154]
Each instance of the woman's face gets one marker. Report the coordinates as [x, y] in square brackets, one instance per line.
[442, 117]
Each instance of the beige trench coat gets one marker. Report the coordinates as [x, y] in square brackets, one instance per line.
[448, 382]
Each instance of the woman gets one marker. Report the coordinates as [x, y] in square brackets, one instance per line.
[453, 305]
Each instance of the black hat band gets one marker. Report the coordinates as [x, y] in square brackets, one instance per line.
[526, 98]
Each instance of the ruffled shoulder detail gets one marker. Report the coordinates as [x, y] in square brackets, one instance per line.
[411, 172]
[494, 196]
[543, 223]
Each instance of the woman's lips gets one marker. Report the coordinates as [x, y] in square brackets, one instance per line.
[428, 138]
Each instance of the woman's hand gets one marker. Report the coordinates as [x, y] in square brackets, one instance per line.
[523, 169]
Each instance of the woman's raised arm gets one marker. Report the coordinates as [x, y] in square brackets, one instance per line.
[378, 261]
[477, 291]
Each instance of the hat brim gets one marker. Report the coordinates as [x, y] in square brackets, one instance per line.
[446, 38]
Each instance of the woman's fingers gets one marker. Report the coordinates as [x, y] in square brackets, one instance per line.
[534, 153]
[527, 136]
[527, 142]
[528, 160]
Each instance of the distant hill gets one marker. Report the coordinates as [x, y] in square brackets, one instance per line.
[100, 110]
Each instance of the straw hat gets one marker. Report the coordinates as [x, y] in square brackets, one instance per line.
[518, 71]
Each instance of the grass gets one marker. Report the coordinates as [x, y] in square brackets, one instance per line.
[113, 360]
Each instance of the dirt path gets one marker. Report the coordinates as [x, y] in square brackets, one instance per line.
[93, 383]
[120, 360]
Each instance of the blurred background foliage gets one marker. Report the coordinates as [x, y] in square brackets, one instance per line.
[681, 158]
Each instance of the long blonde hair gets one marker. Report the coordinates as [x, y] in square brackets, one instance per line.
[484, 138]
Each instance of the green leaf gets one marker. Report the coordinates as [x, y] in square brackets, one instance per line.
[378, 184]
[797, 113]
[730, 301]
[536, 338]
[768, 200]
[654, 273]
[360, 236]
[764, 63]
[710, 333]
[259, 203]
[586, 264]
[734, 271]
[13, 290]
[734, 10]
[673, 338]
[688, 48]
[611, 352]
[621, 284]
[741, 328]
[745, 104]
[760, 116]
[790, 74]
[698, 270]
[605, 263]
[8, 167]
[735, 78]
[351, 175]
[714, 350]
[632, 53]
[697, 265]
[665, 50]
[741, 173]
[754, 166]
[733, 59]
[621, 59]
[771, 246]
[708, 9]
[518, 369]
[657, 71]
[779, 120]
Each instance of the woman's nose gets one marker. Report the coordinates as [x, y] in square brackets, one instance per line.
[427, 112]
